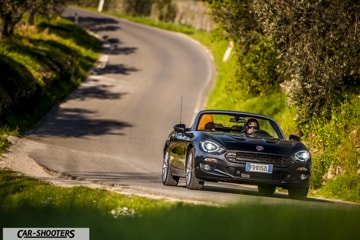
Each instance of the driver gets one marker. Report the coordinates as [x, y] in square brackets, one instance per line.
[251, 126]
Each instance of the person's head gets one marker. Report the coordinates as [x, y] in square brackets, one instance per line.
[251, 125]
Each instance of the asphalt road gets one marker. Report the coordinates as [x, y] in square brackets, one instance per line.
[115, 123]
[111, 129]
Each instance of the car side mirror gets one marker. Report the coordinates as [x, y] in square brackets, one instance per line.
[180, 128]
[294, 138]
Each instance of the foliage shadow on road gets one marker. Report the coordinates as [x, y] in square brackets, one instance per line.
[75, 122]
[93, 89]
[114, 69]
[96, 24]
[104, 24]
[112, 46]
[115, 50]
[115, 177]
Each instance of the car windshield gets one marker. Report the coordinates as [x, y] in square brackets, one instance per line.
[239, 124]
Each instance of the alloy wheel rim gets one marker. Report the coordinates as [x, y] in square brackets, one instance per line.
[165, 166]
[188, 169]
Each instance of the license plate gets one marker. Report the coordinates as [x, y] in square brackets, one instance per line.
[256, 167]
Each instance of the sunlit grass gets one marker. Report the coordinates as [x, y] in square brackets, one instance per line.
[18, 191]
[26, 202]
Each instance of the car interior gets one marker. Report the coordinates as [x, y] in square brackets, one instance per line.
[228, 123]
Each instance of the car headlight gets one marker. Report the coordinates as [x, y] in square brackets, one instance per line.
[302, 155]
[211, 147]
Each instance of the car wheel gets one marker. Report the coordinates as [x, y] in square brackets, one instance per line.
[298, 192]
[266, 190]
[191, 181]
[167, 178]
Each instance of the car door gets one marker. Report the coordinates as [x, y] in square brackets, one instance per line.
[177, 151]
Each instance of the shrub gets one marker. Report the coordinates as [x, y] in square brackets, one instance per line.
[335, 147]
[257, 73]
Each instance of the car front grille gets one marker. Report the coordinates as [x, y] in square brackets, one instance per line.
[243, 157]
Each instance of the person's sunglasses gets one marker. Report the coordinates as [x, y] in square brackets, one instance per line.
[255, 127]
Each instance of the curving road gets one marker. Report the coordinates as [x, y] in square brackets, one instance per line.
[112, 128]
[114, 124]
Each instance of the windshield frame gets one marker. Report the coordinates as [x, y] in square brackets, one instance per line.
[239, 118]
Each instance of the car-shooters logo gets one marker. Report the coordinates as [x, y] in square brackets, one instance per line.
[46, 233]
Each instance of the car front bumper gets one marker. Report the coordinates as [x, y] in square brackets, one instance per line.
[217, 168]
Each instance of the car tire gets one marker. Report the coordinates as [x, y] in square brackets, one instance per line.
[190, 178]
[167, 178]
[266, 190]
[298, 192]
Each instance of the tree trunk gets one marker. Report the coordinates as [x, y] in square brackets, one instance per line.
[30, 18]
[4, 28]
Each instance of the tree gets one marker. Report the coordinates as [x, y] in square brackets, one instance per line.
[256, 72]
[46, 8]
[319, 50]
[138, 7]
[12, 11]
[237, 21]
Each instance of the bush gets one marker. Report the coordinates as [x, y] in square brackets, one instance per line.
[257, 74]
[318, 45]
[16, 85]
[345, 187]
[335, 147]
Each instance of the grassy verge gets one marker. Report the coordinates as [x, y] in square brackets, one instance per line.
[25, 202]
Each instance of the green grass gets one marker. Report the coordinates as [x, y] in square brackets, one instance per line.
[18, 192]
[26, 202]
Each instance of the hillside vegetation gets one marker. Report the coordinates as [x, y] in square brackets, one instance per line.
[298, 61]
[43, 64]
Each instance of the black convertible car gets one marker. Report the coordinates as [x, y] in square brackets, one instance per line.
[236, 147]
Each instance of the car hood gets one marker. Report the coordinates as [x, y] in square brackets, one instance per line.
[243, 142]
